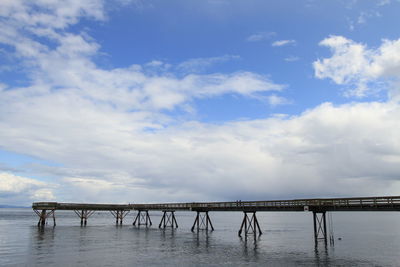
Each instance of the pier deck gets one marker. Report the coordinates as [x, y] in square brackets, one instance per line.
[319, 207]
[387, 203]
[391, 203]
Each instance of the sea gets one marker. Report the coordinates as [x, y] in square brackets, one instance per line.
[361, 239]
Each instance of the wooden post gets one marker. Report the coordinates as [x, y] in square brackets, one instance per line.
[202, 221]
[198, 221]
[168, 219]
[195, 222]
[43, 218]
[250, 225]
[320, 232]
[143, 219]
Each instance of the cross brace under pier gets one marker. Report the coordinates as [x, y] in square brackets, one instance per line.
[119, 215]
[43, 215]
[84, 215]
[142, 218]
[202, 221]
[168, 219]
[250, 224]
[319, 219]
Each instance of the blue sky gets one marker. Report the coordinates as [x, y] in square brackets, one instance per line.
[129, 101]
[245, 31]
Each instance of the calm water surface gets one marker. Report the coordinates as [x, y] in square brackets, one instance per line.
[367, 239]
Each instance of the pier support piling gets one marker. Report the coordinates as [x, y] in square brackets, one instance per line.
[119, 215]
[168, 219]
[319, 219]
[43, 215]
[250, 224]
[202, 221]
[84, 215]
[142, 218]
[42, 219]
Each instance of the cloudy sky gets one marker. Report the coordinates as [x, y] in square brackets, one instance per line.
[209, 100]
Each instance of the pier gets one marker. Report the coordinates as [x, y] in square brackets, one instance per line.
[249, 226]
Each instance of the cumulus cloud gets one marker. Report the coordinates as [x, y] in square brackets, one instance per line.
[17, 189]
[43, 19]
[365, 70]
[66, 64]
[50, 13]
[329, 150]
[72, 105]
[113, 142]
[283, 43]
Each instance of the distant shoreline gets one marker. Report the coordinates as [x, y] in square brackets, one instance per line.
[13, 207]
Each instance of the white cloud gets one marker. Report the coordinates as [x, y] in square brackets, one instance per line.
[355, 65]
[291, 58]
[44, 194]
[15, 184]
[107, 130]
[365, 15]
[384, 2]
[275, 100]
[67, 65]
[50, 13]
[284, 42]
[2, 86]
[352, 149]
[20, 189]
[260, 36]
[200, 64]
[43, 19]
[81, 104]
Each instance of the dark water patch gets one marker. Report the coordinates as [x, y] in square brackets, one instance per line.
[368, 239]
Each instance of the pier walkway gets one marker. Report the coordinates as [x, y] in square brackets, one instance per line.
[319, 207]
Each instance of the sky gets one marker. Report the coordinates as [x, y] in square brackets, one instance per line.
[135, 101]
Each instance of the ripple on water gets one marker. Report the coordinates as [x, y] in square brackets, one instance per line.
[287, 240]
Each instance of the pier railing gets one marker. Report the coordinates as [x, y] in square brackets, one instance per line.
[318, 206]
[331, 204]
[79, 206]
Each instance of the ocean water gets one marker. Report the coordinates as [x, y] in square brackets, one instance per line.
[366, 239]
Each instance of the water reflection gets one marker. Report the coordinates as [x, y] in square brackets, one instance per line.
[168, 231]
[202, 237]
[103, 244]
[43, 243]
[250, 245]
[321, 255]
[168, 238]
[43, 234]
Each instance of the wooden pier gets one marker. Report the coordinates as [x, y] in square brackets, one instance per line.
[319, 207]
